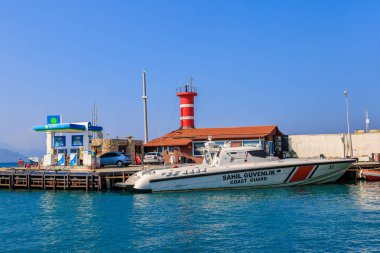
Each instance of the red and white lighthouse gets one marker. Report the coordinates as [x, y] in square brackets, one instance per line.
[186, 99]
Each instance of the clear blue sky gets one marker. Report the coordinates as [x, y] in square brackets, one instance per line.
[253, 62]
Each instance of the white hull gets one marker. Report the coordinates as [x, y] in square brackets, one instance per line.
[266, 174]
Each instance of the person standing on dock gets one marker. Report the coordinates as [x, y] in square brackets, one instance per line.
[172, 159]
[20, 163]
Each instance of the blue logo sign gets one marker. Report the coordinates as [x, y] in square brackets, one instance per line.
[53, 119]
[77, 140]
[59, 141]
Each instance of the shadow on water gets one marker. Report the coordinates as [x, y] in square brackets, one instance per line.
[251, 192]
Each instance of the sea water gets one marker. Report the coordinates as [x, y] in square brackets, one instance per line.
[2, 165]
[318, 218]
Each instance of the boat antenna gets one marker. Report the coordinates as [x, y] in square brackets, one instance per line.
[366, 121]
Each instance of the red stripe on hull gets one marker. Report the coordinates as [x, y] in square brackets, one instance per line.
[372, 178]
[371, 175]
[301, 173]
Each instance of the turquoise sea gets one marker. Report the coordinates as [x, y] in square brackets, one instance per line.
[320, 218]
[8, 165]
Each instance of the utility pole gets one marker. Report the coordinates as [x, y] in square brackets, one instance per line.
[366, 121]
[349, 140]
[145, 98]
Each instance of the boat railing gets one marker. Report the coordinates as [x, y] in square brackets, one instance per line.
[186, 88]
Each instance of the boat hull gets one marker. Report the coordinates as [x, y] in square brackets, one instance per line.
[371, 175]
[201, 178]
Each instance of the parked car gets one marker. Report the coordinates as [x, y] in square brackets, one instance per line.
[115, 158]
[154, 157]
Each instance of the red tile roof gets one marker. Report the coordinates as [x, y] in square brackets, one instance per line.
[168, 142]
[183, 137]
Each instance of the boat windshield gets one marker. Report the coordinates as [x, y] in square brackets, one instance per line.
[216, 158]
[211, 153]
[210, 157]
[206, 157]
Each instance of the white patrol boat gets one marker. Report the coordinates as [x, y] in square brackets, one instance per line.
[238, 167]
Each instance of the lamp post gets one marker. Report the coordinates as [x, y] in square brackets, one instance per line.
[144, 98]
[349, 141]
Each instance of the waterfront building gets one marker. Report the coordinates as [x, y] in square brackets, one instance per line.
[187, 141]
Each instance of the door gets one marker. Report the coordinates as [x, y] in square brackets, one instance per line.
[106, 158]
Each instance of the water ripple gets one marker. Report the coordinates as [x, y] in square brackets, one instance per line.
[326, 218]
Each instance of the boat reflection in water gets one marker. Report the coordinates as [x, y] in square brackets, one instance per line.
[367, 195]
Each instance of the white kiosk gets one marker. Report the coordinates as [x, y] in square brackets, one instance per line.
[80, 133]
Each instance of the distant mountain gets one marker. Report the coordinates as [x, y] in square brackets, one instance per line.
[27, 152]
[8, 156]
[4, 145]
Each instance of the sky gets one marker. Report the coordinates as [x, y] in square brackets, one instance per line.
[266, 62]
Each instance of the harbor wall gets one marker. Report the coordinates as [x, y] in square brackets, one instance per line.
[365, 146]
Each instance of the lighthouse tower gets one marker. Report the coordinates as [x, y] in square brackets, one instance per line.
[186, 96]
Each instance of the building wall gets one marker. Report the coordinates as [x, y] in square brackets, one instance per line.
[129, 146]
[184, 151]
[364, 145]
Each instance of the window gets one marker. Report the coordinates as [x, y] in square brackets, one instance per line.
[172, 149]
[106, 155]
[251, 143]
[197, 145]
[258, 153]
[236, 144]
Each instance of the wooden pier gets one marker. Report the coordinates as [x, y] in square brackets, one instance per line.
[61, 180]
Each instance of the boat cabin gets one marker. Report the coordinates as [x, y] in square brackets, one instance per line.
[216, 155]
